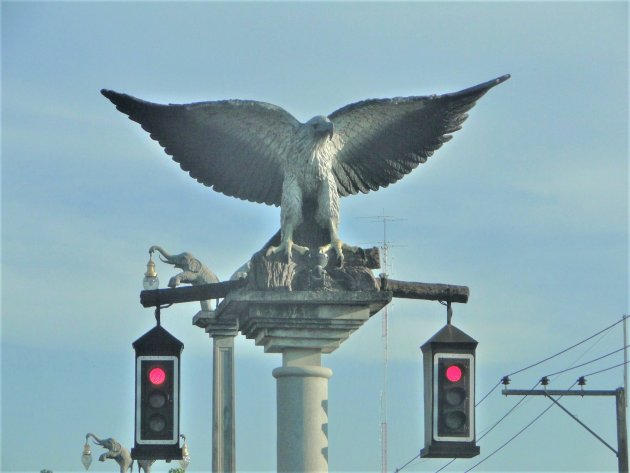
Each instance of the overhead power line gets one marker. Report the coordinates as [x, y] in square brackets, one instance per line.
[438, 471]
[565, 350]
[510, 440]
[516, 435]
[588, 362]
[487, 431]
[606, 369]
[488, 393]
[491, 390]
[407, 464]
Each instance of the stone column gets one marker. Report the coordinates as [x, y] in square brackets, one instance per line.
[223, 410]
[302, 325]
[223, 415]
[302, 403]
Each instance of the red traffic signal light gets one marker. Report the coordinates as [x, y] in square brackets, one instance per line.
[157, 375]
[454, 373]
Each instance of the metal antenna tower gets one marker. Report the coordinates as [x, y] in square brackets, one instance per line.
[385, 265]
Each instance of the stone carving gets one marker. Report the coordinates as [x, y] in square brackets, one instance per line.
[259, 152]
[194, 272]
[241, 272]
[314, 271]
[119, 454]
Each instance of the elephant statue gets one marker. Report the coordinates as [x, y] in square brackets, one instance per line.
[194, 272]
[242, 271]
[120, 454]
[115, 451]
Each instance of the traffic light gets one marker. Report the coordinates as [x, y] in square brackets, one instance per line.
[157, 396]
[157, 400]
[449, 395]
[454, 411]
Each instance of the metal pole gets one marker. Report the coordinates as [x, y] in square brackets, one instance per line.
[622, 432]
[625, 356]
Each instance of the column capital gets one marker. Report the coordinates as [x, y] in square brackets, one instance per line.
[286, 320]
[215, 327]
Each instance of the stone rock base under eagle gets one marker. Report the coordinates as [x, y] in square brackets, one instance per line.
[314, 271]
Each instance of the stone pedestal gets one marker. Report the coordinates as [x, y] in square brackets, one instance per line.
[301, 325]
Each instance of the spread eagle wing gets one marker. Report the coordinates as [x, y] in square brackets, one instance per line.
[379, 141]
[237, 147]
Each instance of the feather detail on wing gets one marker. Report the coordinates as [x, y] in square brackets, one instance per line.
[377, 142]
[237, 147]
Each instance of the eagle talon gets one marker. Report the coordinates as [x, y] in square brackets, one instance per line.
[338, 246]
[287, 247]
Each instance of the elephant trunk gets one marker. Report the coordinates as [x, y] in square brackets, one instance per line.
[166, 254]
[96, 440]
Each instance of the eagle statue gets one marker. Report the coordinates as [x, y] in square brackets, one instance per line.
[259, 152]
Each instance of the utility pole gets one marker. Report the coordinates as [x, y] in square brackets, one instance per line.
[620, 400]
[625, 355]
[622, 430]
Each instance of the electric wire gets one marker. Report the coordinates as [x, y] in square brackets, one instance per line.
[488, 430]
[488, 393]
[407, 464]
[606, 369]
[553, 356]
[438, 471]
[552, 374]
[514, 407]
[565, 350]
[593, 345]
[534, 387]
[516, 435]
[588, 362]
[546, 409]
[512, 438]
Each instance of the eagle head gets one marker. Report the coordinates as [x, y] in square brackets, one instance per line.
[321, 126]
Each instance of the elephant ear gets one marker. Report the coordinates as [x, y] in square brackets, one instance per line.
[116, 447]
[195, 265]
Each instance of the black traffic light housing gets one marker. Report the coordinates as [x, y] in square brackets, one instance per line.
[157, 396]
[449, 395]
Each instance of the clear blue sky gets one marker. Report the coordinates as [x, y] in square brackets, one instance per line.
[527, 205]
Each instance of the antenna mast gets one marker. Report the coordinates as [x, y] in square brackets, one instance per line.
[384, 340]
[385, 265]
